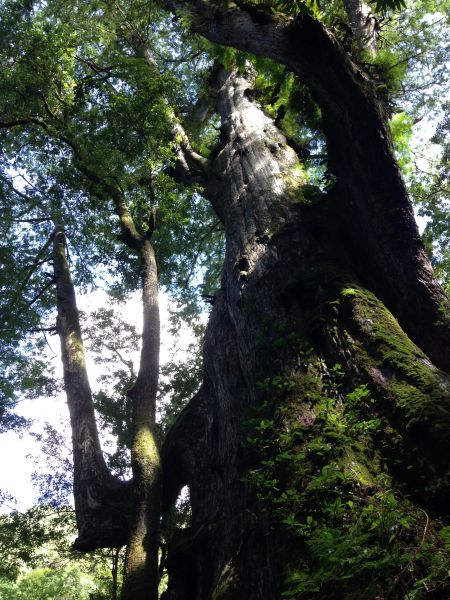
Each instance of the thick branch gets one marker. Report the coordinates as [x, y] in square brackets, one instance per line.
[363, 23]
[32, 269]
[129, 235]
[189, 166]
[30, 120]
[100, 499]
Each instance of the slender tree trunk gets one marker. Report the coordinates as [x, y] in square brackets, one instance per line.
[141, 576]
[136, 503]
[298, 349]
[312, 386]
[109, 512]
[101, 500]
[115, 555]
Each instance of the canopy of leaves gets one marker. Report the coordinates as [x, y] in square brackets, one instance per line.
[82, 113]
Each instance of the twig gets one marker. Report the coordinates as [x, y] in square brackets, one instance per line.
[41, 293]
[43, 329]
[34, 220]
[426, 526]
[35, 265]
[216, 227]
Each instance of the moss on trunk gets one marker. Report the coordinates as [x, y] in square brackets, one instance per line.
[315, 450]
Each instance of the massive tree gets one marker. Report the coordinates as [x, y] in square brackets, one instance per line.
[315, 449]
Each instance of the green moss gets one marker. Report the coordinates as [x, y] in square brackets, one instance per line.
[319, 449]
[353, 467]
[383, 330]
[145, 453]
[317, 474]
[294, 182]
[417, 388]
[306, 387]
[76, 350]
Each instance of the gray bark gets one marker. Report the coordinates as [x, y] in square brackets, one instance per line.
[141, 575]
[373, 199]
[364, 24]
[285, 269]
[110, 512]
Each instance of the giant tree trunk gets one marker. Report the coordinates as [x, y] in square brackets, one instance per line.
[377, 213]
[315, 403]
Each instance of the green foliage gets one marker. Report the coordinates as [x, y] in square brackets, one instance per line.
[86, 102]
[388, 71]
[357, 532]
[418, 37]
[401, 128]
[382, 6]
[430, 186]
[37, 563]
[296, 7]
[48, 584]
[180, 380]
[315, 464]
[368, 542]
[39, 535]
[358, 406]
[316, 8]
[190, 258]
[113, 344]
[53, 476]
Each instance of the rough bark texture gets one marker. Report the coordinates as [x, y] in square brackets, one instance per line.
[110, 512]
[297, 332]
[379, 217]
[101, 501]
[363, 23]
[321, 383]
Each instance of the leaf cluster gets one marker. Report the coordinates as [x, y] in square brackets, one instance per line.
[37, 561]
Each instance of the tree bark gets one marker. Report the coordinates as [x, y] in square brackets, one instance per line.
[110, 512]
[310, 337]
[273, 416]
[377, 213]
[363, 23]
[101, 500]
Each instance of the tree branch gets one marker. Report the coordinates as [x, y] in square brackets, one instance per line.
[30, 120]
[41, 293]
[33, 267]
[35, 220]
[101, 501]
[127, 363]
[190, 166]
